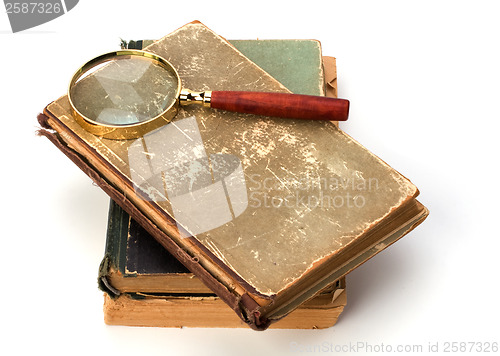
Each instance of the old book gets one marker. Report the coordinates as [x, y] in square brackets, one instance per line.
[320, 312]
[134, 261]
[305, 185]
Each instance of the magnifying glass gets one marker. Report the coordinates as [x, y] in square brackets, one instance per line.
[125, 94]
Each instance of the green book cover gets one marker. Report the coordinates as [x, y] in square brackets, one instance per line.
[134, 261]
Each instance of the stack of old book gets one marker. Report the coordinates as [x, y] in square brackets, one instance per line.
[305, 203]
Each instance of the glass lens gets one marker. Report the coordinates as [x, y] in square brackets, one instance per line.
[125, 90]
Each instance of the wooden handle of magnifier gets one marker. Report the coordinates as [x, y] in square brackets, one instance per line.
[281, 105]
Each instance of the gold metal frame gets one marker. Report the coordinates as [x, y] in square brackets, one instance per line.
[131, 130]
[188, 97]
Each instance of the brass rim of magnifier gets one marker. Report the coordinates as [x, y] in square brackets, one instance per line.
[131, 130]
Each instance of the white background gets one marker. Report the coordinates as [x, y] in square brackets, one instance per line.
[423, 80]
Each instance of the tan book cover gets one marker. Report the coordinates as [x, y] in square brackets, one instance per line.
[295, 204]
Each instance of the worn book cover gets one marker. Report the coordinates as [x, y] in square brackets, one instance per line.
[266, 211]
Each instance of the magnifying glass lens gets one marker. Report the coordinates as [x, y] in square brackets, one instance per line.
[124, 90]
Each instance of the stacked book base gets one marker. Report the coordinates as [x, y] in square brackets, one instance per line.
[303, 203]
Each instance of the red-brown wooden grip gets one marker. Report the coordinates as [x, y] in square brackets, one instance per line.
[294, 106]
